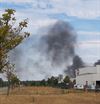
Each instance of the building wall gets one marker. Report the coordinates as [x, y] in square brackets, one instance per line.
[87, 70]
[89, 74]
[98, 68]
[91, 78]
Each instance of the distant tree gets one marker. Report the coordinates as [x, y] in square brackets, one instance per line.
[53, 81]
[1, 82]
[66, 79]
[14, 81]
[43, 83]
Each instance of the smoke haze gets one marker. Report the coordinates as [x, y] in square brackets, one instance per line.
[47, 53]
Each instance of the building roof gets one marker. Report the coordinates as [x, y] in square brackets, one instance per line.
[89, 70]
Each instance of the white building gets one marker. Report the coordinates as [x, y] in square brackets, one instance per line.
[88, 75]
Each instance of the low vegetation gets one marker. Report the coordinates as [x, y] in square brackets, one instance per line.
[48, 95]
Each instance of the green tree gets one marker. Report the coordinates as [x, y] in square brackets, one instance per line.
[14, 81]
[43, 82]
[10, 35]
[53, 81]
[66, 79]
[1, 82]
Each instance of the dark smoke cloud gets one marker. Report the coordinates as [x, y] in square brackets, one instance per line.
[60, 42]
[97, 63]
[47, 53]
[77, 63]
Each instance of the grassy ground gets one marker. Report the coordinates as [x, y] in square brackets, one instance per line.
[47, 95]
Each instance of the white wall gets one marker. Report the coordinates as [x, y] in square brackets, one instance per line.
[83, 78]
[90, 74]
[98, 68]
[88, 70]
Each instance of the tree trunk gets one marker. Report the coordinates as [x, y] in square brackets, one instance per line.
[8, 89]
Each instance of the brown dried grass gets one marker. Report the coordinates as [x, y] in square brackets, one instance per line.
[47, 95]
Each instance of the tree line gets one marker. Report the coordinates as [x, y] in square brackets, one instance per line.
[65, 83]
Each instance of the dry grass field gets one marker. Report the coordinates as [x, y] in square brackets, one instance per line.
[47, 95]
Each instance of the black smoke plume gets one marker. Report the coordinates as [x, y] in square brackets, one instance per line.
[60, 41]
[77, 63]
[97, 63]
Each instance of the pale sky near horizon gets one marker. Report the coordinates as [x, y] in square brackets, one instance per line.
[83, 15]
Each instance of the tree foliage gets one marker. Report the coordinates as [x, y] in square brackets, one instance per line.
[1, 82]
[15, 81]
[53, 81]
[66, 79]
[10, 35]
